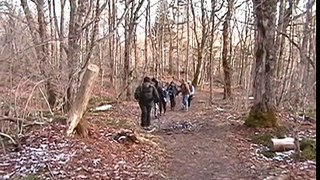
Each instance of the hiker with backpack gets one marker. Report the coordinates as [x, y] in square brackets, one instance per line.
[192, 90]
[185, 92]
[146, 94]
[162, 102]
[172, 93]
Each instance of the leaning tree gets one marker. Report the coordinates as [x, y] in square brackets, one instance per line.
[262, 112]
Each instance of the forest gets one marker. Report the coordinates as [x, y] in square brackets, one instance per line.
[69, 69]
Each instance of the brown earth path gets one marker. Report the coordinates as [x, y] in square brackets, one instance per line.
[206, 151]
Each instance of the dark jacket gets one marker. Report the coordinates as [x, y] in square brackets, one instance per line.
[160, 91]
[172, 90]
[146, 94]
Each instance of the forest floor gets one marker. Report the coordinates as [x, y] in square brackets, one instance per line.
[207, 142]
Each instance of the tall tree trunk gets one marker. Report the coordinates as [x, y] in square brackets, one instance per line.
[111, 24]
[213, 8]
[130, 24]
[283, 23]
[226, 56]
[146, 38]
[305, 69]
[188, 41]
[170, 52]
[201, 42]
[74, 48]
[177, 60]
[127, 52]
[262, 112]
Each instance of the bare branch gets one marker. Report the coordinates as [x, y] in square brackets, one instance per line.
[299, 48]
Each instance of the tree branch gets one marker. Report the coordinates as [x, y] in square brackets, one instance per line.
[299, 48]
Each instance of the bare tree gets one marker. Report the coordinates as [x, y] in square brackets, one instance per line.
[226, 51]
[39, 37]
[130, 24]
[213, 8]
[201, 41]
[283, 22]
[262, 112]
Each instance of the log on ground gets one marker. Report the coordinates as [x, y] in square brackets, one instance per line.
[285, 144]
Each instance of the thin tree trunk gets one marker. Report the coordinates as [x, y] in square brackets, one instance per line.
[177, 56]
[226, 56]
[188, 42]
[213, 7]
[146, 38]
[170, 52]
[283, 23]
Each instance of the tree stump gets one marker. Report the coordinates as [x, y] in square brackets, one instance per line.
[82, 99]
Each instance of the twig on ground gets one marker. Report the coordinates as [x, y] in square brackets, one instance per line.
[50, 171]
[9, 137]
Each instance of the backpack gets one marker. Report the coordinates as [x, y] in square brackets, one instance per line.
[191, 88]
[172, 90]
[185, 89]
[146, 93]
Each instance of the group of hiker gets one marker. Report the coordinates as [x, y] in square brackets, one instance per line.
[153, 94]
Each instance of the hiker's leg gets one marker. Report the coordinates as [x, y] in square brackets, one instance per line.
[185, 102]
[143, 115]
[148, 117]
[164, 107]
[154, 107]
[160, 106]
[189, 100]
[157, 109]
[174, 102]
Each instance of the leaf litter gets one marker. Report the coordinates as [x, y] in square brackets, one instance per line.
[47, 153]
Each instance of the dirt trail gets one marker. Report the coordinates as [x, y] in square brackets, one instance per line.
[205, 151]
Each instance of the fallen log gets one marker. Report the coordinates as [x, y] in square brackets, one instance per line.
[82, 99]
[285, 144]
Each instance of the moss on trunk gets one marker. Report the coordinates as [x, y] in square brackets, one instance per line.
[260, 116]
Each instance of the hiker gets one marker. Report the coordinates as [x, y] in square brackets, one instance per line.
[192, 90]
[146, 94]
[185, 92]
[162, 102]
[165, 90]
[172, 92]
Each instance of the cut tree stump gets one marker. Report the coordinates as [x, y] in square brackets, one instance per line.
[284, 144]
[82, 99]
